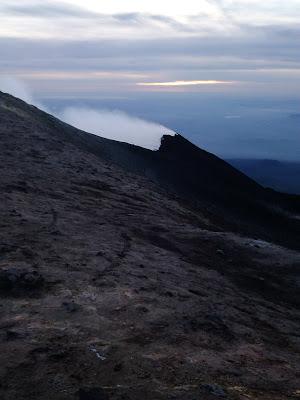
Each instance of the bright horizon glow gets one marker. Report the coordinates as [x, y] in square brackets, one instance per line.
[185, 83]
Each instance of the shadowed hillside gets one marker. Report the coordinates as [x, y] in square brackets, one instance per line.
[134, 274]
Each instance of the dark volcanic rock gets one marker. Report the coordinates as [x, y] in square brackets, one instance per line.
[70, 306]
[111, 281]
[215, 390]
[13, 279]
[92, 394]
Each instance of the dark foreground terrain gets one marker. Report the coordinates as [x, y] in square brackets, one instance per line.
[130, 274]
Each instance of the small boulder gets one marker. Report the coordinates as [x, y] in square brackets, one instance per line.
[12, 334]
[71, 306]
[92, 394]
[214, 389]
[20, 278]
[118, 367]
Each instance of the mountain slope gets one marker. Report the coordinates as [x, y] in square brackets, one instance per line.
[200, 178]
[121, 277]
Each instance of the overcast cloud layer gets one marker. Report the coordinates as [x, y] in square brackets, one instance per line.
[90, 48]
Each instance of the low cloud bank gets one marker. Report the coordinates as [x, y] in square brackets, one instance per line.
[116, 125]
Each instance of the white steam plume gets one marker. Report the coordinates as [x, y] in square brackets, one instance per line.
[116, 125]
[18, 89]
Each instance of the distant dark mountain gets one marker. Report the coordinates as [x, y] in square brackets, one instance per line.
[295, 116]
[279, 175]
[134, 274]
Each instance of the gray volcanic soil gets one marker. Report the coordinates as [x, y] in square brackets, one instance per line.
[112, 288]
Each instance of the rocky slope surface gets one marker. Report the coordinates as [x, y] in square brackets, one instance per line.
[120, 280]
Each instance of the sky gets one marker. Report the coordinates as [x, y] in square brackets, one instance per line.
[206, 53]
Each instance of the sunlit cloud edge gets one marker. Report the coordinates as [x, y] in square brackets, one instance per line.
[185, 83]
